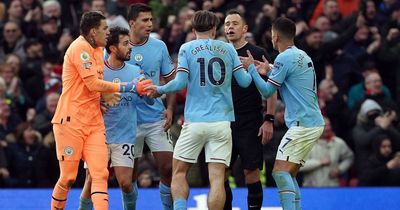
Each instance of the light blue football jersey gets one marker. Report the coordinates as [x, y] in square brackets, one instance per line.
[293, 73]
[207, 66]
[121, 120]
[153, 58]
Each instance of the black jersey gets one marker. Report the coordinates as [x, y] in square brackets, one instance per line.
[248, 99]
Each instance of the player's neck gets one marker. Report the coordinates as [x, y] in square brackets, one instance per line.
[137, 40]
[91, 41]
[284, 46]
[204, 36]
[115, 63]
[239, 43]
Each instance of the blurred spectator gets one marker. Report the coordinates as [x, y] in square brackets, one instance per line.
[15, 90]
[328, 8]
[71, 11]
[45, 82]
[22, 157]
[372, 88]
[382, 168]
[320, 52]
[13, 40]
[333, 105]
[52, 8]
[14, 11]
[34, 54]
[112, 20]
[328, 161]
[270, 149]
[42, 121]
[389, 54]
[8, 122]
[371, 122]
[54, 41]
[364, 45]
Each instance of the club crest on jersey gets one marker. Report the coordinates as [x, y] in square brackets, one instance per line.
[116, 80]
[138, 57]
[84, 56]
[68, 151]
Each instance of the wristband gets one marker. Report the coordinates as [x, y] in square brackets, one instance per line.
[269, 118]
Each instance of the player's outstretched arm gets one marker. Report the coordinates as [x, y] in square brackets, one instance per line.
[242, 77]
[266, 88]
[174, 85]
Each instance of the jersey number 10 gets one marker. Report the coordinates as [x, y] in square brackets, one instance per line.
[210, 71]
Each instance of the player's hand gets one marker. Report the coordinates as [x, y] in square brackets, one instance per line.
[152, 91]
[263, 67]
[111, 99]
[168, 114]
[247, 61]
[141, 85]
[266, 130]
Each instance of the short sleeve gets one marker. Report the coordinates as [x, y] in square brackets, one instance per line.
[84, 62]
[182, 60]
[235, 59]
[167, 68]
[278, 72]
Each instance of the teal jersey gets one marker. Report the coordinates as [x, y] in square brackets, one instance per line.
[207, 67]
[152, 57]
[294, 75]
[121, 120]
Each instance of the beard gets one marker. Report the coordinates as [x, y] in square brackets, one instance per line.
[123, 57]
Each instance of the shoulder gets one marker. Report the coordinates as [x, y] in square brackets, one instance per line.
[254, 48]
[156, 42]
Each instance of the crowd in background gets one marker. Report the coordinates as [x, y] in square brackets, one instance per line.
[354, 44]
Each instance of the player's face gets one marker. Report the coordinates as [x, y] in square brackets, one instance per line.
[234, 27]
[101, 34]
[143, 25]
[124, 48]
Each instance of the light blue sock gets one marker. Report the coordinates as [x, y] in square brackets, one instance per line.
[286, 189]
[134, 194]
[85, 204]
[166, 198]
[128, 199]
[180, 204]
[297, 198]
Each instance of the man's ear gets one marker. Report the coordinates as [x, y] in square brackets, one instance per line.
[131, 23]
[113, 48]
[245, 28]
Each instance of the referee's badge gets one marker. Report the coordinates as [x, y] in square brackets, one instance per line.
[68, 151]
[138, 57]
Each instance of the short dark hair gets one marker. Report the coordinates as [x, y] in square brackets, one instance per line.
[204, 20]
[90, 20]
[113, 38]
[135, 9]
[236, 12]
[285, 27]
